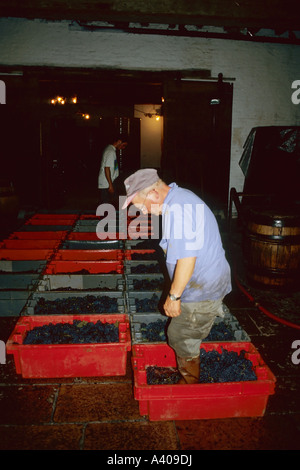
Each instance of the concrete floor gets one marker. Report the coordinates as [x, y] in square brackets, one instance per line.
[101, 413]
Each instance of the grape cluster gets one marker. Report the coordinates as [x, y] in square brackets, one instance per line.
[148, 244]
[77, 332]
[148, 284]
[145, 269]
[86, 304]
[154, 331]
[228, 366]
[162, 375]
[147, 305]
[143, 256]
[220, 332]
[81, 271]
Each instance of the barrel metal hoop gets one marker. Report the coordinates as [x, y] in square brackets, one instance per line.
[283, 240]
[275, 220]
[273, 271]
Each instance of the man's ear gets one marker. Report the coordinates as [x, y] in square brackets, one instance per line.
[153, 195]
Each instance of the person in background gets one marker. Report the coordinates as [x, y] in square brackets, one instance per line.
[199, 272]
[109, 170]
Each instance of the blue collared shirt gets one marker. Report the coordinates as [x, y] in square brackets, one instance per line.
[190, 229]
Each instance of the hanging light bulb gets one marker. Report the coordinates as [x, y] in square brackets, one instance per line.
[62, 100]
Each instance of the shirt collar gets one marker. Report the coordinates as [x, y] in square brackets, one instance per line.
[172, 186]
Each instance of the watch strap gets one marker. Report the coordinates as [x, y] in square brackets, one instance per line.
[173, 297]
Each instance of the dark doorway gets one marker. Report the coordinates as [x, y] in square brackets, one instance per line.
[60, 153]
[72, 151]
[197, 138]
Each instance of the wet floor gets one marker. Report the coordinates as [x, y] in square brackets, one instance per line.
[101, 413]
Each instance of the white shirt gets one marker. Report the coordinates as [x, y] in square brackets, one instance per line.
[109, 159]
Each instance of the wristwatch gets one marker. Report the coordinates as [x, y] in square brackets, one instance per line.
[173, 297]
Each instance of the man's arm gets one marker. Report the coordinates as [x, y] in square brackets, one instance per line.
[183, 272]
[108, 177]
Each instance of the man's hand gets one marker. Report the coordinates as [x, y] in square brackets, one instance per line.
[172, 307]
[183, 272]
[108, 177]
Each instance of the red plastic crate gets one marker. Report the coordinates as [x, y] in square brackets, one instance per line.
[143, 235]
[143, 224]
[144, 218]
[41, 221]
[82, 236]
[29, 244]
[88, 255]
[59, 235]
[69, 360]
[98, 217]
[93, 236]
[113, 236]
[89, 217]
[99, 267]
[25, 254]
[129, 253]
[57, 217]
[200, 401]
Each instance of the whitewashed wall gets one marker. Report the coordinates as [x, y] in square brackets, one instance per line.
[263, 73]
[151, 135]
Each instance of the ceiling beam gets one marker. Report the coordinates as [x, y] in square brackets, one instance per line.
[279, 14]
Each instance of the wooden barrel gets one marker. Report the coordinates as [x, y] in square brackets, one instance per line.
[271, 247]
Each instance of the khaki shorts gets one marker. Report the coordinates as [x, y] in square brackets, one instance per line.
[186, 332]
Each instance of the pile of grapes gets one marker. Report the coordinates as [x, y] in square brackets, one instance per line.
[146, 268]
[147, 304]
[78, 332]
[148, 284]
[154, 331]
[144, 256]
[215, 367]
[73, 305]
